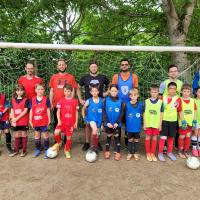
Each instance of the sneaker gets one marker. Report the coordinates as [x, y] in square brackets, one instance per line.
[10, 152]
[117, 156]
[195, 152]
[107, 154]
[181, 154]
[186, 153]
[136, 156]
[172, 156]
[56, 147]
[14, 153]
[67, 154]
[86, 146]
[23, 154]
[161, 157]
[149, 158]
[154, 159]
[129, 156]
[37, 153]
[45, 154]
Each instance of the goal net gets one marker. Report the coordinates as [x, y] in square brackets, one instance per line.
[150, 63]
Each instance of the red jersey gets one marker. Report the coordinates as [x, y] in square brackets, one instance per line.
[5, 116]
[68, 109]
[39, 112]
[29, 85]
[57, 82]
[18, 108]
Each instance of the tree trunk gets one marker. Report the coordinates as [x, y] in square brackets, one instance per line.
[178, 29]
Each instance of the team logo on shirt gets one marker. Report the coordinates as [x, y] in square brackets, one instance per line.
[18, 111]
[187, 112]
[138, 115]
[130, 115]
[39, 111]
[124, 89]
[110, 109]
[152, 112]
[94, 82]
[116, 109]
[68, 115]
[99, 110]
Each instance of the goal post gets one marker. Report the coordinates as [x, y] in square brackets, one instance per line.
[148, 62]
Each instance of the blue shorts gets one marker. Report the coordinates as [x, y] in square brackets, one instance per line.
[41, 128]
[4, 125]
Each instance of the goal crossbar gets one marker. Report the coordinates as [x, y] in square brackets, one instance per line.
[71, 47]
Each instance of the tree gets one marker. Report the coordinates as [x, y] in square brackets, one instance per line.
[178, 27]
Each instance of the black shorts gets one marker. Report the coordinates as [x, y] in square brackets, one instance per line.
[169, 129]
[19, 128]
[134, 135]
[112, 131]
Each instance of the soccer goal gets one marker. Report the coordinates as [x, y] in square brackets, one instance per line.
[148, 62]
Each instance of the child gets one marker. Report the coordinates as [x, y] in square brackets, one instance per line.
[19, 119]
[92, 115]
[40, 118]
[112, 115]
[187, 120]
[4, 122]
[153, 114]
[171, 105]
[196, 134]
[133, 110]
[67, 115]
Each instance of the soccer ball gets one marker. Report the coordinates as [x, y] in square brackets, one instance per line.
[51, 153]
[193, 163]
[91, 156]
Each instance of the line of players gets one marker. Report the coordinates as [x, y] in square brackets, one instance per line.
[160, 117]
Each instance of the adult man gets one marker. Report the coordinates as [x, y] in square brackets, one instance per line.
[173, 75]
[93, 78]
[56, 84]
[125, 81]
[30, 80]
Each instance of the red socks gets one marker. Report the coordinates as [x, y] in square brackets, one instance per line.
[170, 141]
[180, 143]
[184, 143]
[24, 144]
[153, 146]
[57, 138]
[161, 145]
[68, 145]
[147, 146]
[95, 141]
[150, 148]
[187, 143]
[16, 144]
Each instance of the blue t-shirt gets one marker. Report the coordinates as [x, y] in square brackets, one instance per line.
[134, 117]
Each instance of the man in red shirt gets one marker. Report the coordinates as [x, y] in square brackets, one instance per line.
[56, 85]
[30, 80]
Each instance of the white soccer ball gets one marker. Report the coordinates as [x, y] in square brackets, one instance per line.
[91, 156]
[193, 163]
[51, 153]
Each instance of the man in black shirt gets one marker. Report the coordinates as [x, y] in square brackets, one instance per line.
[93, 78]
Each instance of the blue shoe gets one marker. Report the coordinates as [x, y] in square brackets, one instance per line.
[161, 157]
[172, 156]
[45, 154]
[37, 153]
